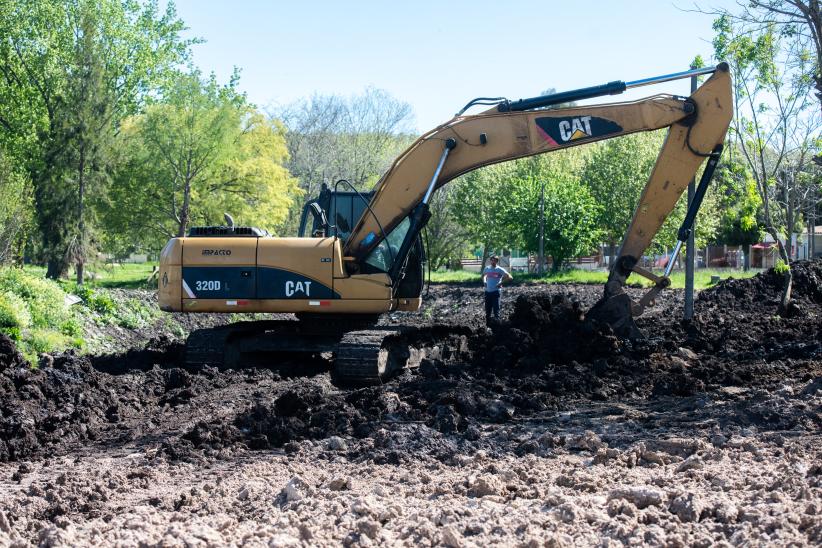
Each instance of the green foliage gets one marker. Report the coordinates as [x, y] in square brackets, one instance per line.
[97, 301]
[776, 121]
[34, 313]
[15, 208]
[73, 70]
[39, 341]
[615, 175]
[14, 315]
[134, 313]
[570, 211]
[478, 208]
[498, 206]
[44, 298]
[444, 238]
[199, 153]
[781, 267]
[740, 205]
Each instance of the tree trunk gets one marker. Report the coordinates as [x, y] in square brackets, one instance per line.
[611, 254]
[787, 283]
[184, 210]
[484, 256]
[746, 258]
[81, 236]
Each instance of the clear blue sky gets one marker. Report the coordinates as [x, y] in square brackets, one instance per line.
[437, 55]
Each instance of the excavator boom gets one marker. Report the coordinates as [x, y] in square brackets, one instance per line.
[697, 127]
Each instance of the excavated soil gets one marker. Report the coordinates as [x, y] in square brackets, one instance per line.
[544, 429]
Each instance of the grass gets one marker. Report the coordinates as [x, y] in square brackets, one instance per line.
[702, 277]
[111, 275]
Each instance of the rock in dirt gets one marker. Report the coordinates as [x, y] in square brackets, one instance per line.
[295, 490]
[336, 443]
[486, 485]
[687, 507]
[641, 497]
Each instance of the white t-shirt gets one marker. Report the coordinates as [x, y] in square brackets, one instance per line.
[493, 277]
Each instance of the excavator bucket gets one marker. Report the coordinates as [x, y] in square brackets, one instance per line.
[616, 312]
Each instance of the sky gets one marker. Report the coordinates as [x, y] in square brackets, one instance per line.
[439, 55]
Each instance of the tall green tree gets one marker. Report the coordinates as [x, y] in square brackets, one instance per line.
[15, 208]
[478, 206]
[615, 174]
[740, 206]
[570, 211]
[46, 54]
[198, 153]
[78, 149]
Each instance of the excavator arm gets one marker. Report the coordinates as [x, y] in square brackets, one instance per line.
[697, 127]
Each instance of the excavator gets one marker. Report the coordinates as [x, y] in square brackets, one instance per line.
[359, 255]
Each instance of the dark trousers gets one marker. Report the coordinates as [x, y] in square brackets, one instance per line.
[491, 304]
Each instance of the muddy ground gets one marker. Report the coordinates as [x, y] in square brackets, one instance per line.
[545, 430]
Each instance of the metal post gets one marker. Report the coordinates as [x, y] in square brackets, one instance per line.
[542, 228]
[690, 254]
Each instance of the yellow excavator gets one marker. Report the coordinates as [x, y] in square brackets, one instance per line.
[359, 255]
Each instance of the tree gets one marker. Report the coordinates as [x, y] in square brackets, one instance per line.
[615, 175]
[444, 237]
[46, 58]
[478, 206]
[774, 126]
[15, 207]
[570, 210]
[355, 138]
[798, 23]
[740, 206]
[78, 148]
[200, 152]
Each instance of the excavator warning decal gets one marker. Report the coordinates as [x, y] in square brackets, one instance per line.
[561, 131]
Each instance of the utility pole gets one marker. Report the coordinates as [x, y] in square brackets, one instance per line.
[690, 251]
[541, 229]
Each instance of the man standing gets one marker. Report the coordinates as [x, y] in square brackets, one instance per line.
[493, 276]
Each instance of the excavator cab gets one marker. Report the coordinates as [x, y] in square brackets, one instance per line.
[334, 213]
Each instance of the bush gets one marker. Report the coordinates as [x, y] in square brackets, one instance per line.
[14, 315]
[44, 298]
[34, 313]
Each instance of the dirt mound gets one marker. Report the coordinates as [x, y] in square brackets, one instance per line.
[765, 289]
[10, 357]
[550, 328]
[75, 399]
[50, 405]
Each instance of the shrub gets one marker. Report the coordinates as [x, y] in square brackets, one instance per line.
[781, 268]
[34, 313]
[14, 315]
[45, 300]
[46, 340]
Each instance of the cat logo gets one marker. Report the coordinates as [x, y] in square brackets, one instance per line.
[292, 287]
[559, 131]
[575, 128]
